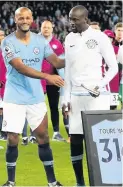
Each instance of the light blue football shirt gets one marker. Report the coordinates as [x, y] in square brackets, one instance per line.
[21, 89]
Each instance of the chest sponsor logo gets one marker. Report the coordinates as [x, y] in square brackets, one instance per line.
[31, 62]
[91, 44]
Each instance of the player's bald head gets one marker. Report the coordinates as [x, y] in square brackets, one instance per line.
[47, 28]
[47, 22]
[78, 17]
[79, 10]
[22, 10]
[23, 19]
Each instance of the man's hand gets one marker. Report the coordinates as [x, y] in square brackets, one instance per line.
[55, 80]
[1, 84]
[66, 110]
[96, 89]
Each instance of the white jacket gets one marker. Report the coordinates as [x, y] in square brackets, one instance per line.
[83, 55]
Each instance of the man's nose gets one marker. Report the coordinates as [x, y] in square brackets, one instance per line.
[25, 20]
[72, 23]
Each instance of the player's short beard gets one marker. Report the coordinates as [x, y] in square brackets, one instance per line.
[74, 30]
[24, 31]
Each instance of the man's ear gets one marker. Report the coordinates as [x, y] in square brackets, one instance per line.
[32, 19]
[86, 20]
[14, 19]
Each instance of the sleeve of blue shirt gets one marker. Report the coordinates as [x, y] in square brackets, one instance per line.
[47, 50]
[8, 51]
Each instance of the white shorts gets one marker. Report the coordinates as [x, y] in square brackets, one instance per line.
[14, 116]
[85, 103]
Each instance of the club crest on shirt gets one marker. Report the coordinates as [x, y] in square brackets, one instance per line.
[54, 46]
[91, 44]
[36, 50]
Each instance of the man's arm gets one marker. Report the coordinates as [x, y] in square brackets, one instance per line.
[65, 103]
[67, 86]
[27, 71]
[30, 72]
[108, 54]
[56, 61]
[67, 78]
[14, 59]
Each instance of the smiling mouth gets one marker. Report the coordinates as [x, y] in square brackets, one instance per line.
[25, 25]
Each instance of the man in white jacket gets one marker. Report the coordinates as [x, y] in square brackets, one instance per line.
[85, 85]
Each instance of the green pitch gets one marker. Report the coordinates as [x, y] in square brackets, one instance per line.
[30, 171]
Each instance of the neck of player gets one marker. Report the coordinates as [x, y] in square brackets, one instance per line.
[84, 28]
[23, 36]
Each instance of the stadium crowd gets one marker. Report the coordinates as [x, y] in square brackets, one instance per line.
[106, 13]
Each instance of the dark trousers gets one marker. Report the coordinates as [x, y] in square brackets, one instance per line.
[53, 99]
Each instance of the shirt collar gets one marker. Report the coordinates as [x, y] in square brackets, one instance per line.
[88, 29]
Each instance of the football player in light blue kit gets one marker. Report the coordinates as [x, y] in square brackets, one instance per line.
[23, 53]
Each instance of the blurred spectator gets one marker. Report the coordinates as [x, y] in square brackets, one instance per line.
[58, 13]
[118, 34]
[95, 25]
[119, 42]
[114, 83]
[115, 18]
[2, 86]
[53, 92]
[34, 25]
[11, 21]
